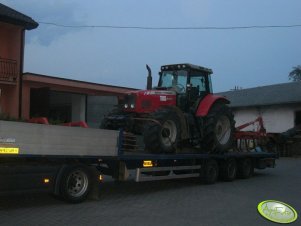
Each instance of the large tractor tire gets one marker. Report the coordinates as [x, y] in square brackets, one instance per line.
[218, 130]
[162, 132]
[114, 120]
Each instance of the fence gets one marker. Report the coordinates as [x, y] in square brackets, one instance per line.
[8, 70]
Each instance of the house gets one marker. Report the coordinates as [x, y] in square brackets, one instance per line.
[12, 29]
[66, 100]
[26, 95]
[279, 105]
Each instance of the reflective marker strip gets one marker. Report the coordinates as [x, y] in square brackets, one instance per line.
[4, 150]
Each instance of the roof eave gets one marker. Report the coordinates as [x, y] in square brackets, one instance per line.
[265, 105]
[25, 25]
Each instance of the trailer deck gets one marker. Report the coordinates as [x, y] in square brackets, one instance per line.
[68, 160]
[31, 139]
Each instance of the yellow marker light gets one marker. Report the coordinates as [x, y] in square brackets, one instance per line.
[46, 180]
[147, 163]
[100, 178]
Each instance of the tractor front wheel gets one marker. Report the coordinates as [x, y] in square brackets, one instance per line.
[162, 132]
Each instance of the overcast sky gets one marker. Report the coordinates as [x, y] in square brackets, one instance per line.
[245, 58]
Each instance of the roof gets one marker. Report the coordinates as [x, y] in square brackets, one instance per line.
[50, 80]
[11, 16]
[185, 65]
[285, 93]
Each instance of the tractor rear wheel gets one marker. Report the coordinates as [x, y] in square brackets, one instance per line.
[218, 129]
[162, 132]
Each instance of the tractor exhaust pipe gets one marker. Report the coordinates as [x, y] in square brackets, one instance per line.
[149, 83]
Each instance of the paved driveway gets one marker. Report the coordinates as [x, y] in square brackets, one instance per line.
[180, 202]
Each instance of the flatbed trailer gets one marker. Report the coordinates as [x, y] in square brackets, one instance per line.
[70, 162]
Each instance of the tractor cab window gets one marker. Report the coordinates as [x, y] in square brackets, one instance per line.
[174, 80]
[198, 80]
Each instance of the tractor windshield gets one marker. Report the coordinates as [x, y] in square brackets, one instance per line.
[174, 80]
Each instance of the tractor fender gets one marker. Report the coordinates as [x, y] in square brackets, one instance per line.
[207, 102]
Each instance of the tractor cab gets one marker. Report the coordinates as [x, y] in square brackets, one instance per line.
[190, 82]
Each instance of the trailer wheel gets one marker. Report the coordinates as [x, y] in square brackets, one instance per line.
[75, 184]
[210, 172]
[245, 168]
[228, 170]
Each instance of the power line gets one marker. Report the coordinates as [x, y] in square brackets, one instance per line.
[172, 28]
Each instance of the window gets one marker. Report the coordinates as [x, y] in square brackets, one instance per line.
[198, 79]
[198, 82]
[174, 80]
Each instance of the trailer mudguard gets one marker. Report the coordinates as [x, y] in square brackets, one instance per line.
[207, 102]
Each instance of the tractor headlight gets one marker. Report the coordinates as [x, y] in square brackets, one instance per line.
[130, 102]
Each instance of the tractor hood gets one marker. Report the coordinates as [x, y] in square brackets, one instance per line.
[146, 101]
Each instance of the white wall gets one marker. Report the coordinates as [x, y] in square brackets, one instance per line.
[276, 119]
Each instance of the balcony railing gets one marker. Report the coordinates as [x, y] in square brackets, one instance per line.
[8, 70]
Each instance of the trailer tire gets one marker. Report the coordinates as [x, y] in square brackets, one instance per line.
[245, 168]
[75, 184]
[228, 170]
[210, 173]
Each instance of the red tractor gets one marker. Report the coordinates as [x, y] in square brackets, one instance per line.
[180, 112]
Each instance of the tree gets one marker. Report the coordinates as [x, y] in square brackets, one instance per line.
[295, 74]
